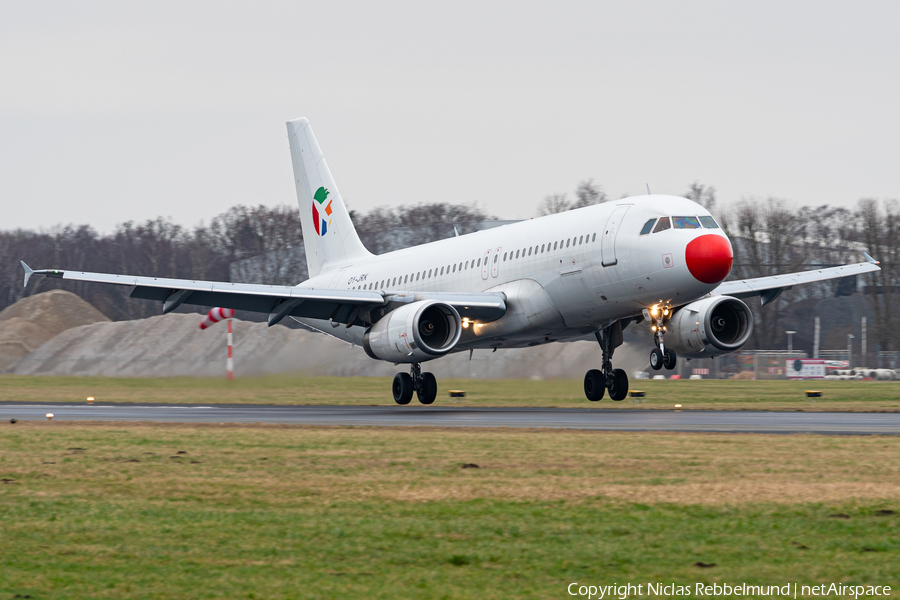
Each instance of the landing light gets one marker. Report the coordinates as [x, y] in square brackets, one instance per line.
[465, 323]
[654, 311]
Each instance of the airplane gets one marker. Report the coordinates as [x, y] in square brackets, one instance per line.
[591, 271]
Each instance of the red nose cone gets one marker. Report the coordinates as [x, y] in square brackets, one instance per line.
[709, 258]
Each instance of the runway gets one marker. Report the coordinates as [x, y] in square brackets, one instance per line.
[455, 416]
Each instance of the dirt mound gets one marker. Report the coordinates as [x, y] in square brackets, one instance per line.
[173, 345]
[32, 321]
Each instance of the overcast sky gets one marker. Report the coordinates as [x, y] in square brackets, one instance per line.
[117, 111]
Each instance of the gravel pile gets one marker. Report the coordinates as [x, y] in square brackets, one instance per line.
[173, 345]
[32, 321]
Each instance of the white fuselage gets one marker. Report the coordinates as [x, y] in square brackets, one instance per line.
[564, 275]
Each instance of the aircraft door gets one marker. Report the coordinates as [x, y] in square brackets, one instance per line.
[495, 265]
[608, 241]
[484, 264]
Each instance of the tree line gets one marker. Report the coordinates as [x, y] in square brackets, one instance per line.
[265, 245]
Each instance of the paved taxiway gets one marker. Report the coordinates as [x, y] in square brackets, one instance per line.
[457, 416]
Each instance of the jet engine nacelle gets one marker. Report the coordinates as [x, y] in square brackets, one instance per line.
[415, 332]
[710, 327]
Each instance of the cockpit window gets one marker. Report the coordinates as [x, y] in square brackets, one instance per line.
[685, 222]
[648, 226]
[662, 225]
[709, 222]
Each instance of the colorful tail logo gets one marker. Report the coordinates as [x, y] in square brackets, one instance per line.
[319, 218]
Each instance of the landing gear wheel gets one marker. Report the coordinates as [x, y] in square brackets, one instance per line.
[656, 359]
[594, 385]
[668, 359]
[402, 388]
[427, 391]
[618, 385]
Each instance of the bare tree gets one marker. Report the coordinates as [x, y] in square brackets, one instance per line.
[763, 236]
[387, 229]
[703, 195]
[588, 193]
[880, 232]
[552, 204]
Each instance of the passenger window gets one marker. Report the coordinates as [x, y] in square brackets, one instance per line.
[479, 262]
[460, 266]
[406, 279]
[454, 268]
[496, 256]
[554, 245]
[662, 225]
[442, 270]
[648, 226]
[504, 257]
[580, 240]
[529, 252]
[542, 248]
[569, 241]
[686, 222]
[517, 253]
[594, 238]
[709, 222]
[418, 275]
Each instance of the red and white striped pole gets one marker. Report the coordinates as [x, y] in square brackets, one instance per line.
[214, 316]
[229, 362]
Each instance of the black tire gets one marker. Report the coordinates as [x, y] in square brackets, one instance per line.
[428, 389]
[669, 360]
[402, 388]
[618, 385]
[594, 385]
[656, 359]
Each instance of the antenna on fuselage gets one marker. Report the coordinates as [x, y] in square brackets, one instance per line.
[648, 189]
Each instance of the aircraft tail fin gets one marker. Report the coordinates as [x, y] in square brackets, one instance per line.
[328, 233]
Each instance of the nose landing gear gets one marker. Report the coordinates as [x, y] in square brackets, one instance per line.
[660, 356]
[423, 384]
[598, 381]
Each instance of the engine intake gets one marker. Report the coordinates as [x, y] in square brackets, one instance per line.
[710, 327]
[415, 332]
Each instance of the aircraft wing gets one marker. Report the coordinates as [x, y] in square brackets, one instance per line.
[769, 288]
[340, 306]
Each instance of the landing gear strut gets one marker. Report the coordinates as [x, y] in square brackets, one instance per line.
[597, 381]
[423, 384]
[660, 356]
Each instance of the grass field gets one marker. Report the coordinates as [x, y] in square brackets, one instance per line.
[294, 389]
[188, 511]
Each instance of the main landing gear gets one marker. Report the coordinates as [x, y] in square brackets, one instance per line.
[660, 356]
[597, 381]
[423, 384]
